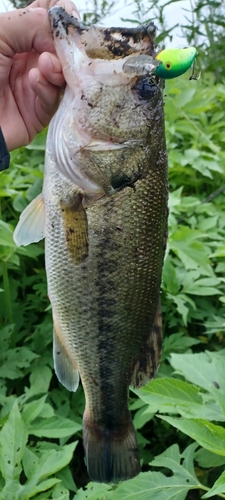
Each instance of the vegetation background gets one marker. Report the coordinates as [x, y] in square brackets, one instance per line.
[179, 416]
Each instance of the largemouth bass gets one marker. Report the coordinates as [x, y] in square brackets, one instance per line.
[103, 212]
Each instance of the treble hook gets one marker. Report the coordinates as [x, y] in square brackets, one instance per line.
[193, 76]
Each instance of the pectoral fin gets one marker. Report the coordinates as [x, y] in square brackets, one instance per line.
[64, 363]
[31, 225]
[145, 365]
[76, 227]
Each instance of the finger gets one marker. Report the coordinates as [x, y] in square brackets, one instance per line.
[68, 5]
[48, 95]
[47, 92]
[45, 109]
[50, 67]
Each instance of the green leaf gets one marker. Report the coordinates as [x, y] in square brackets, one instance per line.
[208, 435]
[205, 369]
[184, 243]
[166, 392]
[95, 491]
[38, 143]
[177, 342]
[169, 395]
[39, 468]
[180, 464]
[55, 427]
[43, 486]
[142, 416]
[66, 477]
[150, 485]
[15, 359]
[218, 487]
[60, 492]
[13, 438]
[6, 235]
[30, 461]
[33, 409]
[51, 461]
[207, 459]
[11, 490]
[40, 379]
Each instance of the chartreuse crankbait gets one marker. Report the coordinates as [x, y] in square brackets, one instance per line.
[175, 62]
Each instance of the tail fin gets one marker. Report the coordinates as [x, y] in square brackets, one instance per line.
[111, 455]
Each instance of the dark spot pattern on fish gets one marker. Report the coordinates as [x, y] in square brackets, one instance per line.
[110, 43]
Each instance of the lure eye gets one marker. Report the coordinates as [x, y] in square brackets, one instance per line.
[168, 65]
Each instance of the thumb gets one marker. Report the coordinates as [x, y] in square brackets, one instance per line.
[23, 30]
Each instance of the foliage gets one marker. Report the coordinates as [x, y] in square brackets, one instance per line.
[179, 416]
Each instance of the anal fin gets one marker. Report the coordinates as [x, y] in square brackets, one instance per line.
[146, 363]
[65, 365]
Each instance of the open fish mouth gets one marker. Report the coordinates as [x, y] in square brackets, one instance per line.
[104, 43]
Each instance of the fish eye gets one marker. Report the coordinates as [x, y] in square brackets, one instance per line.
[145, 88]
[168, 65]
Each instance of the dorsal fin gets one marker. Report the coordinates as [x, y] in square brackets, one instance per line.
[146, 363]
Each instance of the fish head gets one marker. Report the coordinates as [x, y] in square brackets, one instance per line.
[112, 105]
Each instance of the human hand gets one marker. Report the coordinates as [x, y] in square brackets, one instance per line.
[31, 78]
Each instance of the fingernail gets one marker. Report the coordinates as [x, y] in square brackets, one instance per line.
[37, 74]
[76, 15]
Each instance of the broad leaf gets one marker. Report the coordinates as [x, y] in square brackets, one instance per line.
[207, 459]
[13, 438]
[54, 427]
[39, 468]
[95, 491]
[33, 409]
[170, 395]
[218, 487]
[208, 435]
[205, 369]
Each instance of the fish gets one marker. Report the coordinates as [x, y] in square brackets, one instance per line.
[103, 213]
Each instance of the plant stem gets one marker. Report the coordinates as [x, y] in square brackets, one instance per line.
[215, 149]
[201, 487]
[8, 305]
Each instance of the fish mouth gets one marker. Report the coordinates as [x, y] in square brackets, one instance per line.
[104, 43]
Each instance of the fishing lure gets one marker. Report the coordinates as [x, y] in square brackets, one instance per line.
[175, 62]
[168, 63]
